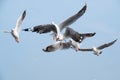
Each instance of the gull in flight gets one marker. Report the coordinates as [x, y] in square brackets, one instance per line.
[78, 37]
[16, 31]
[98, 50]
[52, 27]
[59, 45]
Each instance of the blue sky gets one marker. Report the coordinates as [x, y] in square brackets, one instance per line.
[27, 61]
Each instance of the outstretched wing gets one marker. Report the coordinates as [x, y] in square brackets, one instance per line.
[106, 45]
[43, 28]
[73, 18]
[100, 47]
[19, 21]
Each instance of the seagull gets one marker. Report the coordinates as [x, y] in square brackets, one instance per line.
[98, 50]
[16, 31]
[59, 45]
[78, 37]
[51, 27]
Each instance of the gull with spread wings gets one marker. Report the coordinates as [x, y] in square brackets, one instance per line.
[76, 36]
[97, 50]
[16, 31]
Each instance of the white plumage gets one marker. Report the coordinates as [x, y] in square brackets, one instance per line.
[15, 32]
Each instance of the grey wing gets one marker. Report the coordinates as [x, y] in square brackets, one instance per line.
[73, 18]
[87, 49]
[44, 28]
[69, 32]
[88, 34]
[106, 45]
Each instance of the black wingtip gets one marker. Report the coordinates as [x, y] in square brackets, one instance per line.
[85, 6]
[45, 50]
[83, 9]
[24, 14]
[111, 43]
[25, 29]
[94, 33]
[89, 34]
[114, 41]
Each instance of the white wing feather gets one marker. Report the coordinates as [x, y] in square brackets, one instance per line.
[19, 22]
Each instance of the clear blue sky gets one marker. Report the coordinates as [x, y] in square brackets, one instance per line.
[27, 61]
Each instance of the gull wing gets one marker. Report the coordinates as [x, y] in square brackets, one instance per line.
[106, 45]
[100, 47]
[43, 28]
[19, 21]
[73, 18]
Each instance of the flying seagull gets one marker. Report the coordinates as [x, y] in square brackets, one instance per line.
[51, 27]
[97, 50]
[16, 31]
[59, 45]
[78, 37]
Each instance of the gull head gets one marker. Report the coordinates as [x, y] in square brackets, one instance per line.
[59, 37]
